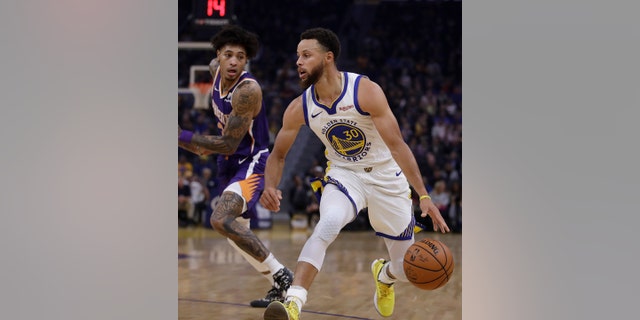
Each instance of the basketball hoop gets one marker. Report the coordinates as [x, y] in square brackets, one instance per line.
[201, 93]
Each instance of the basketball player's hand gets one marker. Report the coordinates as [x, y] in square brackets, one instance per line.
[427, 207]
[270, 199]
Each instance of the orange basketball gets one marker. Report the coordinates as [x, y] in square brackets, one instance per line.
[428, 264]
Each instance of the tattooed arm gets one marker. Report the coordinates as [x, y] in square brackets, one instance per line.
[246, 103]
[195, 149]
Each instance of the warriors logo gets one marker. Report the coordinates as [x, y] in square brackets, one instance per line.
[347, 140]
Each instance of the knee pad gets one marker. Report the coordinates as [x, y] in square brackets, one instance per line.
[327, 230]
[334, 215]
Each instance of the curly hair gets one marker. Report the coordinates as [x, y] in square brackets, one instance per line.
[327, 38]
[232, 34]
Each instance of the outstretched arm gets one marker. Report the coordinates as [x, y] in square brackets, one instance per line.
[213, 68]
[292, 120]
[195, 149]
[246, 103]
[373, 101]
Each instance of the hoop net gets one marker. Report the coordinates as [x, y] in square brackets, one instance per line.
[201, 93]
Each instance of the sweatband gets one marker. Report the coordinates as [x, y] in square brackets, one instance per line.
[185, 136]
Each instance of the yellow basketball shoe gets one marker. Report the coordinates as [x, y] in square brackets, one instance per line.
[384, 299]
[278, 311]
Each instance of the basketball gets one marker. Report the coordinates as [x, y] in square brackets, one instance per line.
[428, 264]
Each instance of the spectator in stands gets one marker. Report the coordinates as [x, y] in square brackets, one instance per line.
[184, 202]
[202, 123]
[199, 197]
[209, 182]
[440, 196]
[298, 196]
[455, 208]
[184, 166]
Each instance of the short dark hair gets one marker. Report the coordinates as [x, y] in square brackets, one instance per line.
[232, 34]
[327, 38]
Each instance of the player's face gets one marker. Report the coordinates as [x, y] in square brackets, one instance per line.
[310, 62]
[233, 59]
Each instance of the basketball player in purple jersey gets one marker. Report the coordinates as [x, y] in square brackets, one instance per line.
[242, 150]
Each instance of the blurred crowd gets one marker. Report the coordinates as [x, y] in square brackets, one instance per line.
[413, 49]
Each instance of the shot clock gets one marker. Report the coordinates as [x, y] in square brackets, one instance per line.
[212, 12]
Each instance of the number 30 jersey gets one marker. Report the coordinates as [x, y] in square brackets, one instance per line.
[348, 133]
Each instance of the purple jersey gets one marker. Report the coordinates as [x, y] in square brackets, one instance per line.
[246, 165]
[257, 138]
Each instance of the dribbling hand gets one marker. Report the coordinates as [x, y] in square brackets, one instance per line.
[427, 207]
[270, 199]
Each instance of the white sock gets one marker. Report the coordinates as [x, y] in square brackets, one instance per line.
[384, 277]
[298, 295]
[272, 264]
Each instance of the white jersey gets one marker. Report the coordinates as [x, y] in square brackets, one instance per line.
[348, 133]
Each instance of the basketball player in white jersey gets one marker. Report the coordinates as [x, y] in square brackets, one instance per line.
[368, 167]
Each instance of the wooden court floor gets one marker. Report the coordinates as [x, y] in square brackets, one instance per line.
[215, 282]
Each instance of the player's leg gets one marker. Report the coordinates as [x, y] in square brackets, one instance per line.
[392, 219]
[255, 263]
[334, 215]
[393, 269]
[238, 198]
[280, 280]
[390, 214]
[230, 206]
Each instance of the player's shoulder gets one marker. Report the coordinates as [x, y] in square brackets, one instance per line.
[296, 102]
[248, 85]
[364, 80]
[353, 76]
[367, 87]
[294, 109]
[247, 76]
[369, 94]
